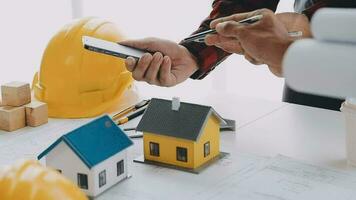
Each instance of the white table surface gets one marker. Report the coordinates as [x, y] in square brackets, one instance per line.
[242, 109]
[305, 133]
[264, 128]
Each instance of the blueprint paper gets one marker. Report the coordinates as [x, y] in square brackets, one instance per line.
[286, 179]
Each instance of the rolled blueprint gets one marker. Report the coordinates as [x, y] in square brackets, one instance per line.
[335, 24]
[321, 68]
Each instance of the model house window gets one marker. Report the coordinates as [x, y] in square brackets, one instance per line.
[154, 149]
[120, 167]
[102, 178]
[182, 154]
[206, 149]
[82, 181]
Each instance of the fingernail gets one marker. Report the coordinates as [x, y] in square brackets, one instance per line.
[146, 55]
[130, 61]
[165, 59]
[218, 27]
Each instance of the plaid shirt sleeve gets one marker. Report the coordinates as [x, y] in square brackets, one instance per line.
[208, 57]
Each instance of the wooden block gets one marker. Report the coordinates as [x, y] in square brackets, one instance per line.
[36, 113]
[16, 94]
[12, 118]
[1, 104]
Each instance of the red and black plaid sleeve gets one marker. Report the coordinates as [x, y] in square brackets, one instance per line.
[209, 57]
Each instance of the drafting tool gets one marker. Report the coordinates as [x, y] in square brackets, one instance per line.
[132, 115]
[130, 109]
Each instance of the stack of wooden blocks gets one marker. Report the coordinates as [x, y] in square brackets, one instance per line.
[17, 110]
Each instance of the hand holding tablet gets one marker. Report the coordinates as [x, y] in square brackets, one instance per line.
[111, 48]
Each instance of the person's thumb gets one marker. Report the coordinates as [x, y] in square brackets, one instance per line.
[148, 44]
[139, 44]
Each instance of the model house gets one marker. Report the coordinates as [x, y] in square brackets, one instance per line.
[93, 156]
[180, 134]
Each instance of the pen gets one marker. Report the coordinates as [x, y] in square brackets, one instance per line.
[246, 21]
[291, 34]
[200, 37]
[130, 109]
[132, 115]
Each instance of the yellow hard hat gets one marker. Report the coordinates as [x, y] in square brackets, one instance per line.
[75, 82]
[28, 180]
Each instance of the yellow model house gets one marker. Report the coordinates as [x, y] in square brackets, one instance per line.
[180, 134]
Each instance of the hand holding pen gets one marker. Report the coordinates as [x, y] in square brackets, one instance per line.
[264, 41]
[200, 37]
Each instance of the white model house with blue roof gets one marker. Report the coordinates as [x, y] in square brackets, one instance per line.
[94, 156]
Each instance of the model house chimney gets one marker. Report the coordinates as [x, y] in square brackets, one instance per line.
[175, 103]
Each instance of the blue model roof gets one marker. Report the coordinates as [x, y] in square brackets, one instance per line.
[94, 142]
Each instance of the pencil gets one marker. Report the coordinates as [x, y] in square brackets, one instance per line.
[132, 116]
[130, 109]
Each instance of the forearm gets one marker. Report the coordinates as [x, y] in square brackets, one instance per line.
[208, 57]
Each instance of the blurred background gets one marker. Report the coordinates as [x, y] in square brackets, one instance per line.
[27, 26]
